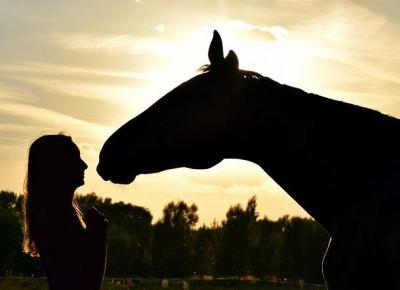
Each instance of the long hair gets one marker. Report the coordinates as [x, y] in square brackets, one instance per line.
[43, 177]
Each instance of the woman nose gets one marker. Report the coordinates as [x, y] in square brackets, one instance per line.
[84, 165]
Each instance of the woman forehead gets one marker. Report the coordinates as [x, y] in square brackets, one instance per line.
[73, 148]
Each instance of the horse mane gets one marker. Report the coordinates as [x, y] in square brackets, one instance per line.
[205, 68]
[254, 78]
[246, 74]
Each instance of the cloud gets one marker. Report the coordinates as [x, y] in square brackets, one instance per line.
[113, 44]
[16, 134]
[10, 92]
[116, 95]
[268, 33]
[53, 69]
[89, 148]
[44, 119]
[160, 28]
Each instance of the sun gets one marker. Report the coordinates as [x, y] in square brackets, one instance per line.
[267, 50]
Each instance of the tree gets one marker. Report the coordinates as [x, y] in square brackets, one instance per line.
[128, 236]
[8, 200]
[266, 263]
[172, 252]
[11, 233]
[12, 259]
[204, 250]
[239, 236]
[242, 244]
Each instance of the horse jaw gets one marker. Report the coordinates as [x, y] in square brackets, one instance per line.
[124, 181]
[199, 164]
[202, 164]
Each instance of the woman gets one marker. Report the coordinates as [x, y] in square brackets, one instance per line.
[71, 246]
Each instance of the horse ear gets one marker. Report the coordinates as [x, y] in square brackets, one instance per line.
[216, 51]
[232, 61]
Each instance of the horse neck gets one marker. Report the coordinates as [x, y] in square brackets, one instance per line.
[273, 117]
[313, 147]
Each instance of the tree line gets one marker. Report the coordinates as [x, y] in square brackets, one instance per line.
[243, 244]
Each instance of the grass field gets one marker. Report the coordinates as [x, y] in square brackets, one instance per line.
[22, 283]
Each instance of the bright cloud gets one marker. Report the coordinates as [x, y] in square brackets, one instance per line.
[128, 44]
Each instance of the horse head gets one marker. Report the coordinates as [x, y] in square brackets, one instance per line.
[188, 127]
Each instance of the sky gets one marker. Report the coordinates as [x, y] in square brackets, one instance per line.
[87, 67]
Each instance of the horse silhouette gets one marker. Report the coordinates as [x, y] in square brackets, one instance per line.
[339, 161]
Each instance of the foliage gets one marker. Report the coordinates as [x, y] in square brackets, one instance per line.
[239, 236]
[128, 236]
[241, 245]
[172, 240]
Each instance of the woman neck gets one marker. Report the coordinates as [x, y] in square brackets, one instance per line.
[60, 198]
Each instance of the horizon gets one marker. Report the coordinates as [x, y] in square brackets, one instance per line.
[158, 218]
[87, 68]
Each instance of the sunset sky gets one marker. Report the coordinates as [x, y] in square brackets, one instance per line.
[86, 67]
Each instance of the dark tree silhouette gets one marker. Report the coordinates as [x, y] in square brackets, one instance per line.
[267, 261]
[12, 260]
[172, 249]
[239, 237]
[205, 242]
[129, 235]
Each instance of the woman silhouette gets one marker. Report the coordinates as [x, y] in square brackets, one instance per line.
[71, 246]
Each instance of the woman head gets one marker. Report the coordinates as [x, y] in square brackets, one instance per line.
[54, 163]
[55, 170]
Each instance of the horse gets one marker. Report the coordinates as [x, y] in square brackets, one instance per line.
[339, 161]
